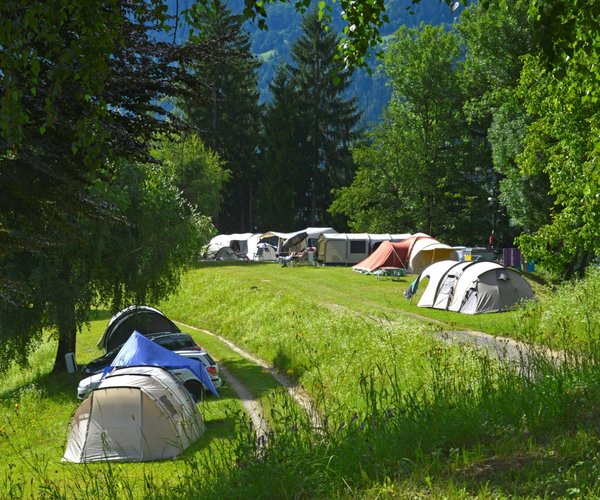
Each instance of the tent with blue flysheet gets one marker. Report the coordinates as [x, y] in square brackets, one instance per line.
[138, 350]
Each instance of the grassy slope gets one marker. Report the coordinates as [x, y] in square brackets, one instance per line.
[340, 286]
[477, 430]
[454, 428]
[35, 409]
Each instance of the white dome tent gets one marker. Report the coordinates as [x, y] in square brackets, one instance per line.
[136, 414]
[473, 287]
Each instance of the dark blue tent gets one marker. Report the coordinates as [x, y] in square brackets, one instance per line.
[138, 350]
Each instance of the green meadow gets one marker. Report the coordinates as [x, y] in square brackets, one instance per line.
[402, 412]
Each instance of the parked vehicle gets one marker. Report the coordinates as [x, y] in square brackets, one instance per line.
[209, 363]
[185, 375]
[169, 340]
[144, 319]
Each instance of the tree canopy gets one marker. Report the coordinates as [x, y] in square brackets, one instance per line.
[309, 129]
[80, 94]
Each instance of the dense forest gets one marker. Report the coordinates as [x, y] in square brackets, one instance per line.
[272, 46]
[128, 137]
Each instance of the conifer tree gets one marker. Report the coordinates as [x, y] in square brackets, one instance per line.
[320, 128]
[283, 185]
[227, 113]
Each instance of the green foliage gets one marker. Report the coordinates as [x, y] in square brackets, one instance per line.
[137, 255]
[569, 317]
[283, 181]
[419, 171]
[197, 171]
[82, 89]
[561, 143]
[227, 113]
[496, 35]
[309, 128]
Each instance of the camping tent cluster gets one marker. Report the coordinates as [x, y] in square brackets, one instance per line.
[456, 281]
[365, 251]
[471, 287]
[262, 246]
[140, 410]
[413, 253]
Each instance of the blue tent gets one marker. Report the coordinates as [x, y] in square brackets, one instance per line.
[139, 350]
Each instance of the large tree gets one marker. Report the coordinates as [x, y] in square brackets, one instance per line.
[228, 115]
[80, 87]
[420, 165]
[560, 84]
[196, 170]
[320, 130]
[496, 37]
[283, 183]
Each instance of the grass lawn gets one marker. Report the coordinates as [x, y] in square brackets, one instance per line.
[35, 411]
[404, 413]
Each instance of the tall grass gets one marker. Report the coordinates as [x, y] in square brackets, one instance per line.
[398, 403]
[403, 413]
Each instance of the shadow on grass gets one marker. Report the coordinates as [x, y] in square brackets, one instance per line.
[254, 378]
[57, 387]
[222, 428]
[100, 314]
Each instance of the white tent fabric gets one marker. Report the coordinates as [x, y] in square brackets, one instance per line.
[312, 233]
[435, 272]
[136, 414]
[351, 248]
[447, 286]
[259, 250]
[426, 251]
[474, 287]
[238, 242]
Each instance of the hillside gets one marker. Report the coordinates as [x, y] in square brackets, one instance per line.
[400, 411]
[272, 46]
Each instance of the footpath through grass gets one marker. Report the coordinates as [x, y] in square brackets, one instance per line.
[404, 414]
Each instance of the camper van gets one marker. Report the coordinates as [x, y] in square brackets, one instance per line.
[348, 249]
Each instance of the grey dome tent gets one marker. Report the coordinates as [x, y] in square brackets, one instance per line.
[144, 319]
[136, 414]
[473, 287]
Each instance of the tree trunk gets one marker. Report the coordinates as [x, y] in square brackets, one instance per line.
[313, 202]
[67, 331]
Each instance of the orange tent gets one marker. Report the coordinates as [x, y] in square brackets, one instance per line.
[413, 254]
[389, 254]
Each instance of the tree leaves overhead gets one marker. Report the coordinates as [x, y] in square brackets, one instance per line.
[80, 91]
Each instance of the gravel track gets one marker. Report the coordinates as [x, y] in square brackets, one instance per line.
[250, 403]
[504, 348]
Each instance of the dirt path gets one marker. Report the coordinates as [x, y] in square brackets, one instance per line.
[502, 347]
[250, 403]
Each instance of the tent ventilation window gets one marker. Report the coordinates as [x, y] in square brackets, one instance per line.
[168, 405]
[502, 275]
[358, 247]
